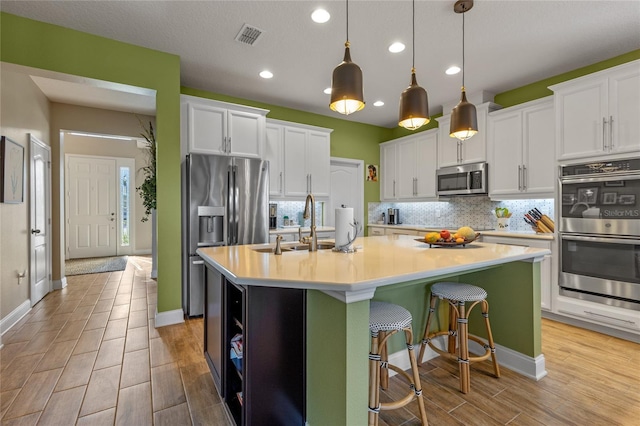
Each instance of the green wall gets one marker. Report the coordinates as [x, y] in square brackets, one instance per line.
[50, 47]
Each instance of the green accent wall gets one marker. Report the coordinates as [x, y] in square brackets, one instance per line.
[539, 89]
[348, 139]
[50, 47]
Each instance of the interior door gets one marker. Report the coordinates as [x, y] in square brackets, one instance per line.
[40, 197]
[347, 187]
[91, 207]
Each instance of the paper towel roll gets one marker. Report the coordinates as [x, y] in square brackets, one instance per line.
[344, 228]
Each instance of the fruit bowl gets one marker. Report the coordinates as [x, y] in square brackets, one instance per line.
[449, 243]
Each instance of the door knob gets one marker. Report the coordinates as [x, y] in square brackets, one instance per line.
[35, 231]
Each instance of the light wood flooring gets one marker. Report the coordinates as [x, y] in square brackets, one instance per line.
[90, 355]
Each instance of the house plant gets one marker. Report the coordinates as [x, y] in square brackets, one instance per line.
[147, 189]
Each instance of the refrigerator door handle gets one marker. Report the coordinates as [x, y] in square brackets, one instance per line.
[235, 206]
[229, 207]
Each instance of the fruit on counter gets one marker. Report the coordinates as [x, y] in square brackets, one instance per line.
[445, 235]
[432, 237]
[459, 240]
[467, 233]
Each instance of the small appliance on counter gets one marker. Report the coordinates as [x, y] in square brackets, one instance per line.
[394, 216]
[273, 216]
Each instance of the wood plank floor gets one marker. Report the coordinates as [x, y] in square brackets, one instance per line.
[90, 355]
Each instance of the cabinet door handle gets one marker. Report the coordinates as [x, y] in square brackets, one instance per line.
[394, 187]
[524, 177]
[229, 145]
[519, 178]
[280, 188]
[415, 186]
[310, 183]
[610, 132]
[604, 142]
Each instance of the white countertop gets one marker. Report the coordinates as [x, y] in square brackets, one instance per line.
[294, 230]
[510, 234]
[379, 261]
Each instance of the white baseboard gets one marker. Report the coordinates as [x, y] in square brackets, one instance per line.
[527, 366]
[14, 316]
[141, 252]
[169, 317]
[60, 284]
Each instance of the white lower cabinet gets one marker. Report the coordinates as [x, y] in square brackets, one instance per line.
[400, 231]
[546, 266]
[598, 313]
[375, 230]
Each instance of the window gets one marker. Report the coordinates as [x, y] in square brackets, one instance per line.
[124, 205]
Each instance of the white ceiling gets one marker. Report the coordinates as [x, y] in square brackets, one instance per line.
[508, 44]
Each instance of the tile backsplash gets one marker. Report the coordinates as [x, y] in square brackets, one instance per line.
[476, 212]
[294, 209]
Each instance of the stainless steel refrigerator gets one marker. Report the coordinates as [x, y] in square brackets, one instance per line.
[226, 202]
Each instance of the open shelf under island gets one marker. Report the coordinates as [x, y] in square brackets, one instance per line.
[337, 288]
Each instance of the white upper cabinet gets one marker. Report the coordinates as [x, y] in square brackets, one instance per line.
[408, 169]
[274, 153]
[220, 128]
[520, 149]
[597, 115]
[299, 158]
[452, 152]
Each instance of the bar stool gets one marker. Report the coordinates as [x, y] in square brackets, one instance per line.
[457, 294]
[386, 319]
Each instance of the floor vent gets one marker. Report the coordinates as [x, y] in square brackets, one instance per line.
[249, 35]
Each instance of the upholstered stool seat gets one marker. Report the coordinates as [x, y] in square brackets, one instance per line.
[457, 295]
[386, 319]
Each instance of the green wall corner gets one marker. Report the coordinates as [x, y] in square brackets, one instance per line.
[50, 47]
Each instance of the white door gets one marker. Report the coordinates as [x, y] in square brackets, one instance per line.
[91, 207]
[40, 198]
[347, 188]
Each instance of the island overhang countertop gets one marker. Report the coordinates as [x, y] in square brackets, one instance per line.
[378, 261]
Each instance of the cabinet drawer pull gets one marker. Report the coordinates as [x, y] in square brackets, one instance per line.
[608, 317]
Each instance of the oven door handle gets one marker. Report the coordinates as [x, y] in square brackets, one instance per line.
[612, 240]
[599, 178]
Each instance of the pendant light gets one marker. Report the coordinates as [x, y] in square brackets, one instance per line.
[414, 104]
[464, 119]
[346, 83]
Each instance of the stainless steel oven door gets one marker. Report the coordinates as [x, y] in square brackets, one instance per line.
[602, 266]
[608, 205]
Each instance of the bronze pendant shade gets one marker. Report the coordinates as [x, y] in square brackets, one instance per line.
[464, 119]
[414, 105]
[346, 86]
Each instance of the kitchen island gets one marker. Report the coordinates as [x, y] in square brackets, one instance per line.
[396, 269]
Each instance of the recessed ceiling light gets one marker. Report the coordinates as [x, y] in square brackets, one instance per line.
[320, 16]
[266, 74]
[327, 91]
[396, 47]
[452, 70]
[378, 103]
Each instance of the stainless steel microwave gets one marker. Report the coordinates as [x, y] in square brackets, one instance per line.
[465, 179]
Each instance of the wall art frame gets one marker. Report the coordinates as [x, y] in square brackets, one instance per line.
[11, 171]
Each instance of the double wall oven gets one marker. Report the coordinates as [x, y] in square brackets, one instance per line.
[600, 232]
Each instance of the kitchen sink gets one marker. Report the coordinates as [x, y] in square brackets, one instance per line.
[321, 246]
[295, 247]
[269, 249]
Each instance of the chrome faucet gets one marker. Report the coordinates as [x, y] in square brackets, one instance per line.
[313, 238]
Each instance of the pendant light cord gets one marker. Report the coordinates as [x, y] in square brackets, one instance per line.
[413, 40]
[463, 12]
[347, 21]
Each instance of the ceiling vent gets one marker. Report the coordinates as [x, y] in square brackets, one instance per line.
[249, 35]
